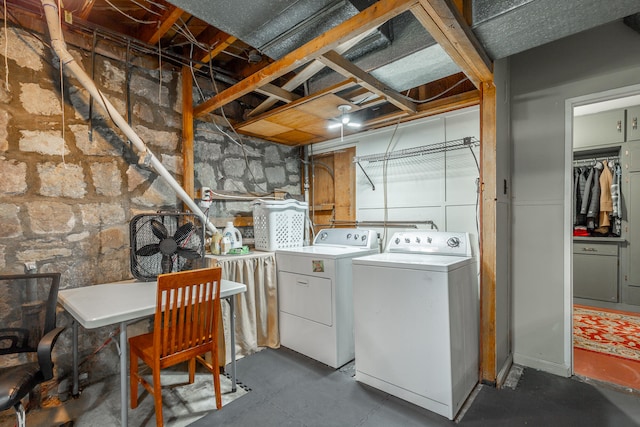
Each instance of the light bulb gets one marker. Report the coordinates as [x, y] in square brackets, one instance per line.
[345, 120]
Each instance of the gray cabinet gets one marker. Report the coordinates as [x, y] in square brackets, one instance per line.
[605, 128]
[595, 270]
[633, 132]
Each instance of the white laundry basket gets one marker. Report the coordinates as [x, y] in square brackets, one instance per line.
[278, 224]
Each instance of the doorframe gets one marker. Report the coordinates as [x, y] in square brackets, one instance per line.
[570, 104]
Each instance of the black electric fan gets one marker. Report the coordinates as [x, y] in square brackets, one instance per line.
[165, 242]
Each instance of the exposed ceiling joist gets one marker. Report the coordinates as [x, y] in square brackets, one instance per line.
[309, 71]
[336, 62]
[443, 21]
[86, 9]
[152, 34]
[455, 102]
[277, 92]
[220, 41]
[368, 19]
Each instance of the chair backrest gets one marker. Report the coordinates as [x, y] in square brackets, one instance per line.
[29, 312]
[187, 311]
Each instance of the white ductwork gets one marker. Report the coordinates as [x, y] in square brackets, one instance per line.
[145, 155]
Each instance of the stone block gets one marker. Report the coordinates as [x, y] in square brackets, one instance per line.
[42, 221]
[40, 101]
[43, 142]
[157, 138]
[106, 178]
[14, 177]
[62, 180]
[10, 225]
[23, 48]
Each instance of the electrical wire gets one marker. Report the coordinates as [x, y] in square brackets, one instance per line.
[422, 101]
[6, 49]
[139, 21]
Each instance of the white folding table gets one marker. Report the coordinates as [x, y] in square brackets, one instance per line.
[123, 302]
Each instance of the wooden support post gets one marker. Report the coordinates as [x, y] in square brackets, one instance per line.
[488, 204]
[187, 132]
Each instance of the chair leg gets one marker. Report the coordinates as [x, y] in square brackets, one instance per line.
[192, 370]
[157, 395]
[20, 414]
[216, 378]
[133, 380]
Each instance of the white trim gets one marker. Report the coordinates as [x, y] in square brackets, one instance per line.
[543, 365]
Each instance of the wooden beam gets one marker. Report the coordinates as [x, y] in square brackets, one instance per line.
[331, 89]
[306, 73]
[488, 226]
[278, 93]
[153, 33]
[187, 132]
[369, 18]
[336, 62]
[85, 10]
[443, 21]
[455, 102]
[220, 41]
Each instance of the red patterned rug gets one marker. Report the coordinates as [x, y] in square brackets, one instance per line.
[602, 331]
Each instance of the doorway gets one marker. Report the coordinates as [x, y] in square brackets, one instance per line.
[602, 311]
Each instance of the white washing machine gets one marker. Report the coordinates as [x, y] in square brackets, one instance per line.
[416, 319]
[315, 299]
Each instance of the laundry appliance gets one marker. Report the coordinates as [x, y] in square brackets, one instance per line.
[416, 319]
[315, 293]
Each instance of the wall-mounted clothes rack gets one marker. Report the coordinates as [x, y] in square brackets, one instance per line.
[439, 147]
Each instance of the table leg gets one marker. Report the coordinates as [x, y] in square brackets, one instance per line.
[124, 383]
[75, 390]
[233, 342]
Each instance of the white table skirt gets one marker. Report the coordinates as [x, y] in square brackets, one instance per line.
[256, 309]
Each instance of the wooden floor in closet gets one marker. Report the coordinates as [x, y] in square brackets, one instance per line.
[607, 367]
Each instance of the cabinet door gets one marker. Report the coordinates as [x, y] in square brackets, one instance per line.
[633, 248]
[598, 129]
[595, 271]
[633, 132]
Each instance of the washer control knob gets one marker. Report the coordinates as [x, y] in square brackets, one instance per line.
[364, 237]
[397, 241]
[324, 235]
[348, 235]
[429, 239]
[453, 242]
[355, 236]
[407, 240]
[418, 240]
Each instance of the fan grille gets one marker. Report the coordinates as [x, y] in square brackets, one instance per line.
[146, 266]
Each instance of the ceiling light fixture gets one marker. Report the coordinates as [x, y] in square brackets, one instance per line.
[345, 120]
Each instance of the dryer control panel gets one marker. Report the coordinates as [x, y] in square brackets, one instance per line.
[357, 237]
[430, 242]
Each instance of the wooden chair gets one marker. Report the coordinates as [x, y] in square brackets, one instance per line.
[185, 328]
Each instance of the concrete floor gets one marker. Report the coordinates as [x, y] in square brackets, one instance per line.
[282, 387]
[99, 404]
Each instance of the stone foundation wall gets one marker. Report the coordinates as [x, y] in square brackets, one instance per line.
[70, 183]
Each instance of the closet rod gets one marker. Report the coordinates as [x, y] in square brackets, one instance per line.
[593, 160]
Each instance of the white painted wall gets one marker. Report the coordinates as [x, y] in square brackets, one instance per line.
[437, 187]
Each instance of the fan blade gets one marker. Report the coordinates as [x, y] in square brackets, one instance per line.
[159, 230]
[188, 253]
[334, 125]
[183, 232]
[166, 264]
[148, 250]
[353, 125]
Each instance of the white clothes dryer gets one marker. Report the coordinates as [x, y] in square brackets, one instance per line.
[315, 298]
[416, 319]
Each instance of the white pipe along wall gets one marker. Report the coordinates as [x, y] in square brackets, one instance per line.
[145, 155]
